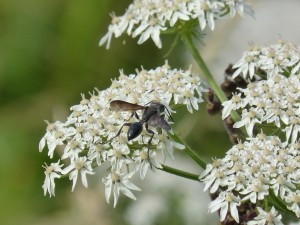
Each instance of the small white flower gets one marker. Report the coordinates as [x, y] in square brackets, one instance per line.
[145, 159]
[118, 155]
[73, 149]
[98, 152]
[148, 29]
[168, 145]
[55, 135]
[52, 172]
[82, 166]
[249, 119]
[293, 200]
[247, 64]
[270, 218]
[117, 182]
[215, 179]
[226, 201]
[255, 191]
[234, 103]
[281, 185]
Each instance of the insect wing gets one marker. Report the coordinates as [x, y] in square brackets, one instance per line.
[158, 121]
[119, 105]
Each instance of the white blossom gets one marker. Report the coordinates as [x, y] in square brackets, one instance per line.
[82, 166]
[226, 201]
[148, 18]
[274, 59]
[271, 101]
[252, 170]
[269, 218]
[144, 160]
[117, 182]
[293, 200]
[92, 134]
[51, 172]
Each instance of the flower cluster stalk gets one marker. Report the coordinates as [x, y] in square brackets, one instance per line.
[179, 173]
[187, 39]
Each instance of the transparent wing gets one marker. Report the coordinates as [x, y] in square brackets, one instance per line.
[159, 121]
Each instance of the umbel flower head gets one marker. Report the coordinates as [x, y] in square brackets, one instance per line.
[250, 172]
[148, 18]
[266, 165]
[274, 101]
[273, 97]
[91, 134]
[280, 58]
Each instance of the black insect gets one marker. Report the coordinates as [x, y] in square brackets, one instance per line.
[153, 115]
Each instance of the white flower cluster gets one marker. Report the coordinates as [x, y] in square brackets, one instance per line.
[88, 137]
[263, 164]
[252, 170]
[273, 101]
[280, 58]
[147, 18]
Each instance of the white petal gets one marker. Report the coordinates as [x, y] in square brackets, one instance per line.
[178, 145]
[194, 103]
[189, 107]
[215, 205]
[140, 29]
[106, 38]
[130, 185]
[144, 37]
[251, 70]
[116, 194]
[228, 106]
[144, 169]
[68, 169]
[202, 22]
[234, 212]
[210, 20]
[215, 186]
[127, 192]
[155, 37]
[83, 178]
[73, 176]
[108, 187]
[223, 211]
[42, 144]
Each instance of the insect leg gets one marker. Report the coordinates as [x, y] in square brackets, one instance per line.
[150, 132]
[149, 142]
[135, 115]
[119, 132]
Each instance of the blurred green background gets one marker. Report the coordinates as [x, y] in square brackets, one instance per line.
[49, 54]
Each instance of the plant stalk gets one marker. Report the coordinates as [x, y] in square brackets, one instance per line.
[179, 173]
[187, 39]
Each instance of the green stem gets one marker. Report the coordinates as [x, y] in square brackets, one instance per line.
[179, 173]
[187, 38]
[279, 204]
[192, 153]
